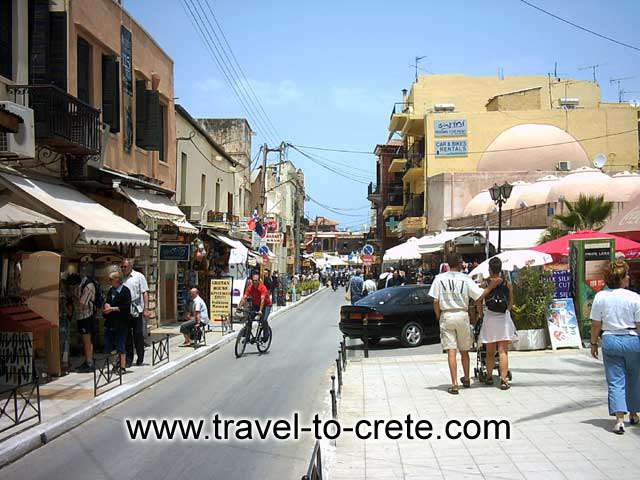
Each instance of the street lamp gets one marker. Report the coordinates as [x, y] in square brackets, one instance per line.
[500, 194]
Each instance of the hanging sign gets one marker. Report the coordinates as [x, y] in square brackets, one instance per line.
[177, 252]
[127, 86]
[563, 324]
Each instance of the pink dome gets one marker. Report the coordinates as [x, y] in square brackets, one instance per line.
[536, 193]
[514, 199]
[585, 180]
[626, 185]
[509, 151]
[480, 204]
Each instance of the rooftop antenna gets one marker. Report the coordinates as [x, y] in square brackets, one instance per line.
[619, 81]
[593, 69]
[416, 65]
[629, 91]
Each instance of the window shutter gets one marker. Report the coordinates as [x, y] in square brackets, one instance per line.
[110, 92]
[141, 114]
[58, 49]
[39, 41]
[6, 34]
[153, 124]
[83, 69]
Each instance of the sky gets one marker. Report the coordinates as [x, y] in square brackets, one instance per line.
[328, 72]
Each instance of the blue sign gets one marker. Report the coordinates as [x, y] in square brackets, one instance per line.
[562, 280]
[450, 128]
[367, 249]
[451, 148]
[179, 253]
[263, 250]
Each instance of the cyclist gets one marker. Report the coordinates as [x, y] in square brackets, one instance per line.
[260, 300]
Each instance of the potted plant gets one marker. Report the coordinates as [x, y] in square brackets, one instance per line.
[533, 292]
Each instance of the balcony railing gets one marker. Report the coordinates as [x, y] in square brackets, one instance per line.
[402, 107]
[415, 155]
[63, 123]
[414, 206]
[373, 189]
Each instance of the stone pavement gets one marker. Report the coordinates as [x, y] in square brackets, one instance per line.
[557, 406]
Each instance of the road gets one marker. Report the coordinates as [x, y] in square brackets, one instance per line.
[293, 376]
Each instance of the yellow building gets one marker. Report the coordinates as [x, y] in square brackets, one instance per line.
[458, 123]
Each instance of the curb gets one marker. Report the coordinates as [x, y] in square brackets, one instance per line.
[33, 438]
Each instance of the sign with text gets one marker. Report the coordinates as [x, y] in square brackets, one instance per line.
[450, 128]
[16, 358]
[177, 252]
[220, 298]
[274, 238]
[562, 280]
[563, 324]
[127, 86]
[451, 148]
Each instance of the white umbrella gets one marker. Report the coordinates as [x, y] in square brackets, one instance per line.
[513, 259]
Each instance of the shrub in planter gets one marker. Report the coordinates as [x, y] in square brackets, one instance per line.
[533, 292]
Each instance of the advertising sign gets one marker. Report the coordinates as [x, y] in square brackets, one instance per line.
[274, 238]
[177, 252]
[562, 280]
[16, 358]
[220, 298]
[127, 86]
[451, 148]
[450, 128]
[563, 324]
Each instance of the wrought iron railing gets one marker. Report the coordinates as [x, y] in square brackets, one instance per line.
[106, 370]
[414, 206]
[402, 107]
[160, 350]
[62, 122]
[20, 404]
[314, 472]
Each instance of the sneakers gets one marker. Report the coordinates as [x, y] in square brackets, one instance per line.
[85, 368]
[618, 429]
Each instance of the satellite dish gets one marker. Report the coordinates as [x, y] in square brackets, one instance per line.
[600, 160]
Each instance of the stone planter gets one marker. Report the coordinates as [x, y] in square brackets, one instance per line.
[531, 340]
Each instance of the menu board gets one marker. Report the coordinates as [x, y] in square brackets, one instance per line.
[220, 298]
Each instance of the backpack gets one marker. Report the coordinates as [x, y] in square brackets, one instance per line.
[498, 300]
[98, 299]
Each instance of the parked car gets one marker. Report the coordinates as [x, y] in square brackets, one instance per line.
[405, 313]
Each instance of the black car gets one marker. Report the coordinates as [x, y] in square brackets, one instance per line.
[404, 312]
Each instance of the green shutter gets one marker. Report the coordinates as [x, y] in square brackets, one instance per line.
[39, 41]
[141, 114]
[58, 49]
[110, 92]
[6, 39]
[153, 124]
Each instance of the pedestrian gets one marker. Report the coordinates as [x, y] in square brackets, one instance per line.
[197, 316]
[395, 280]
[615, 314]
[137, 285]
[355, 287]
[276, 287]
[117, 314]
[497, 328]
[369, 285]
[84, 299]
[451, 292]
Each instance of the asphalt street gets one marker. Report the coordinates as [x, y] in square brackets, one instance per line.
[292, 377]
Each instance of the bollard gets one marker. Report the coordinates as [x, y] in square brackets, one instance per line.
[334, 405]
[340, 356]
[343, 347]
[339, 368]
[365, 323]
[333, 382]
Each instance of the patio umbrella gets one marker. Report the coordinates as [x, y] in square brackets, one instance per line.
[512, 259]
[560, 246]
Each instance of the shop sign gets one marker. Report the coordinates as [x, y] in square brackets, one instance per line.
[274, 238]
[562, 280]
[16, 358]
[450, 128]
[220, 298]
[563, 324]
[216, 217]
[176, 252]
[290, 260]
[127, 86]
[270, 225]
[451, 148]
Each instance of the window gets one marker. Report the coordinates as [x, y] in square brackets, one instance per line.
[183, 179]
[149, 125]
[111, 92]
[162, 153]
[217, 207]
[6, 38]
[203, 189]
[230, 204]
[420, 296]
[84, 70]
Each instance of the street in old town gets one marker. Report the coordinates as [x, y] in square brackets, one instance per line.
[319, 240]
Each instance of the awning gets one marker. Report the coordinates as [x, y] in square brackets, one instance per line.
[521, 239]
[98, 223]
[159, 207]
[19, 221]
[435, 243]
[239, 252]
[405, 251]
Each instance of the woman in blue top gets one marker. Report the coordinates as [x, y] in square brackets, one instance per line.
[616, 313]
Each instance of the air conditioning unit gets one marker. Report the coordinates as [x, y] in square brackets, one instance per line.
[192, 212]
[23, 143]
[564, 166]
[444, 107]
[569, 102]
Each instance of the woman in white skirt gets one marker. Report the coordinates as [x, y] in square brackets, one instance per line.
[498, 330]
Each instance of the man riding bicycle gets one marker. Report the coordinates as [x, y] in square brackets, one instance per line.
[260, 300]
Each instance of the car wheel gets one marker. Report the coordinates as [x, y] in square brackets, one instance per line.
[412, 335]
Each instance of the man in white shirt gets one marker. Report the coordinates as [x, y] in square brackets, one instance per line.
[451, 292]
[369, 285]
[137, 284]
[199, 315]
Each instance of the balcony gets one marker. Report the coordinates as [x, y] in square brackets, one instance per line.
[403, 119]
[373, 193]
[63, 123]
[414, 206]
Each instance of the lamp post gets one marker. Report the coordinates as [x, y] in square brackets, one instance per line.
[500, 194]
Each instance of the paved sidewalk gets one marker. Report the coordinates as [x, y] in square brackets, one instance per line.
[557, 406]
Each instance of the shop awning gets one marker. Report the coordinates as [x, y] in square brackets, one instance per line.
[98, 223]
[239, 252]
[159, 207]
[435, 243]
[405, 251]
[17, 221]
[520, 239]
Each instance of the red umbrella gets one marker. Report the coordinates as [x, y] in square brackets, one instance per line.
[560, 246]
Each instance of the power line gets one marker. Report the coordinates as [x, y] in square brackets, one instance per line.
[340, 150]
[584, 29]
[331, 209]
[367, 172]
[349, 176]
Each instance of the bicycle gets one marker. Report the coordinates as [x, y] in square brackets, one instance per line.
[261, 338]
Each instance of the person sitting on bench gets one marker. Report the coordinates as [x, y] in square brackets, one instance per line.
[198, 316]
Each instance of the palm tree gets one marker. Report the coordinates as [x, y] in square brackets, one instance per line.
[587, 213]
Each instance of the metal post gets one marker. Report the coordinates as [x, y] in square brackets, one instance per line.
[205, 342]
[365, 323]
[343, 346]
[339, 370]
[334, 405]
[500, 226]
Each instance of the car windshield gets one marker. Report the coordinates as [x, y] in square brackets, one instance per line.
[386, 296]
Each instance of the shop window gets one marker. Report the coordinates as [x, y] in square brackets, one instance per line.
[84, 70]
[6, 38]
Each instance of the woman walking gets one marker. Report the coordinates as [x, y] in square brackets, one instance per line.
[616, 314]
[498, 330]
